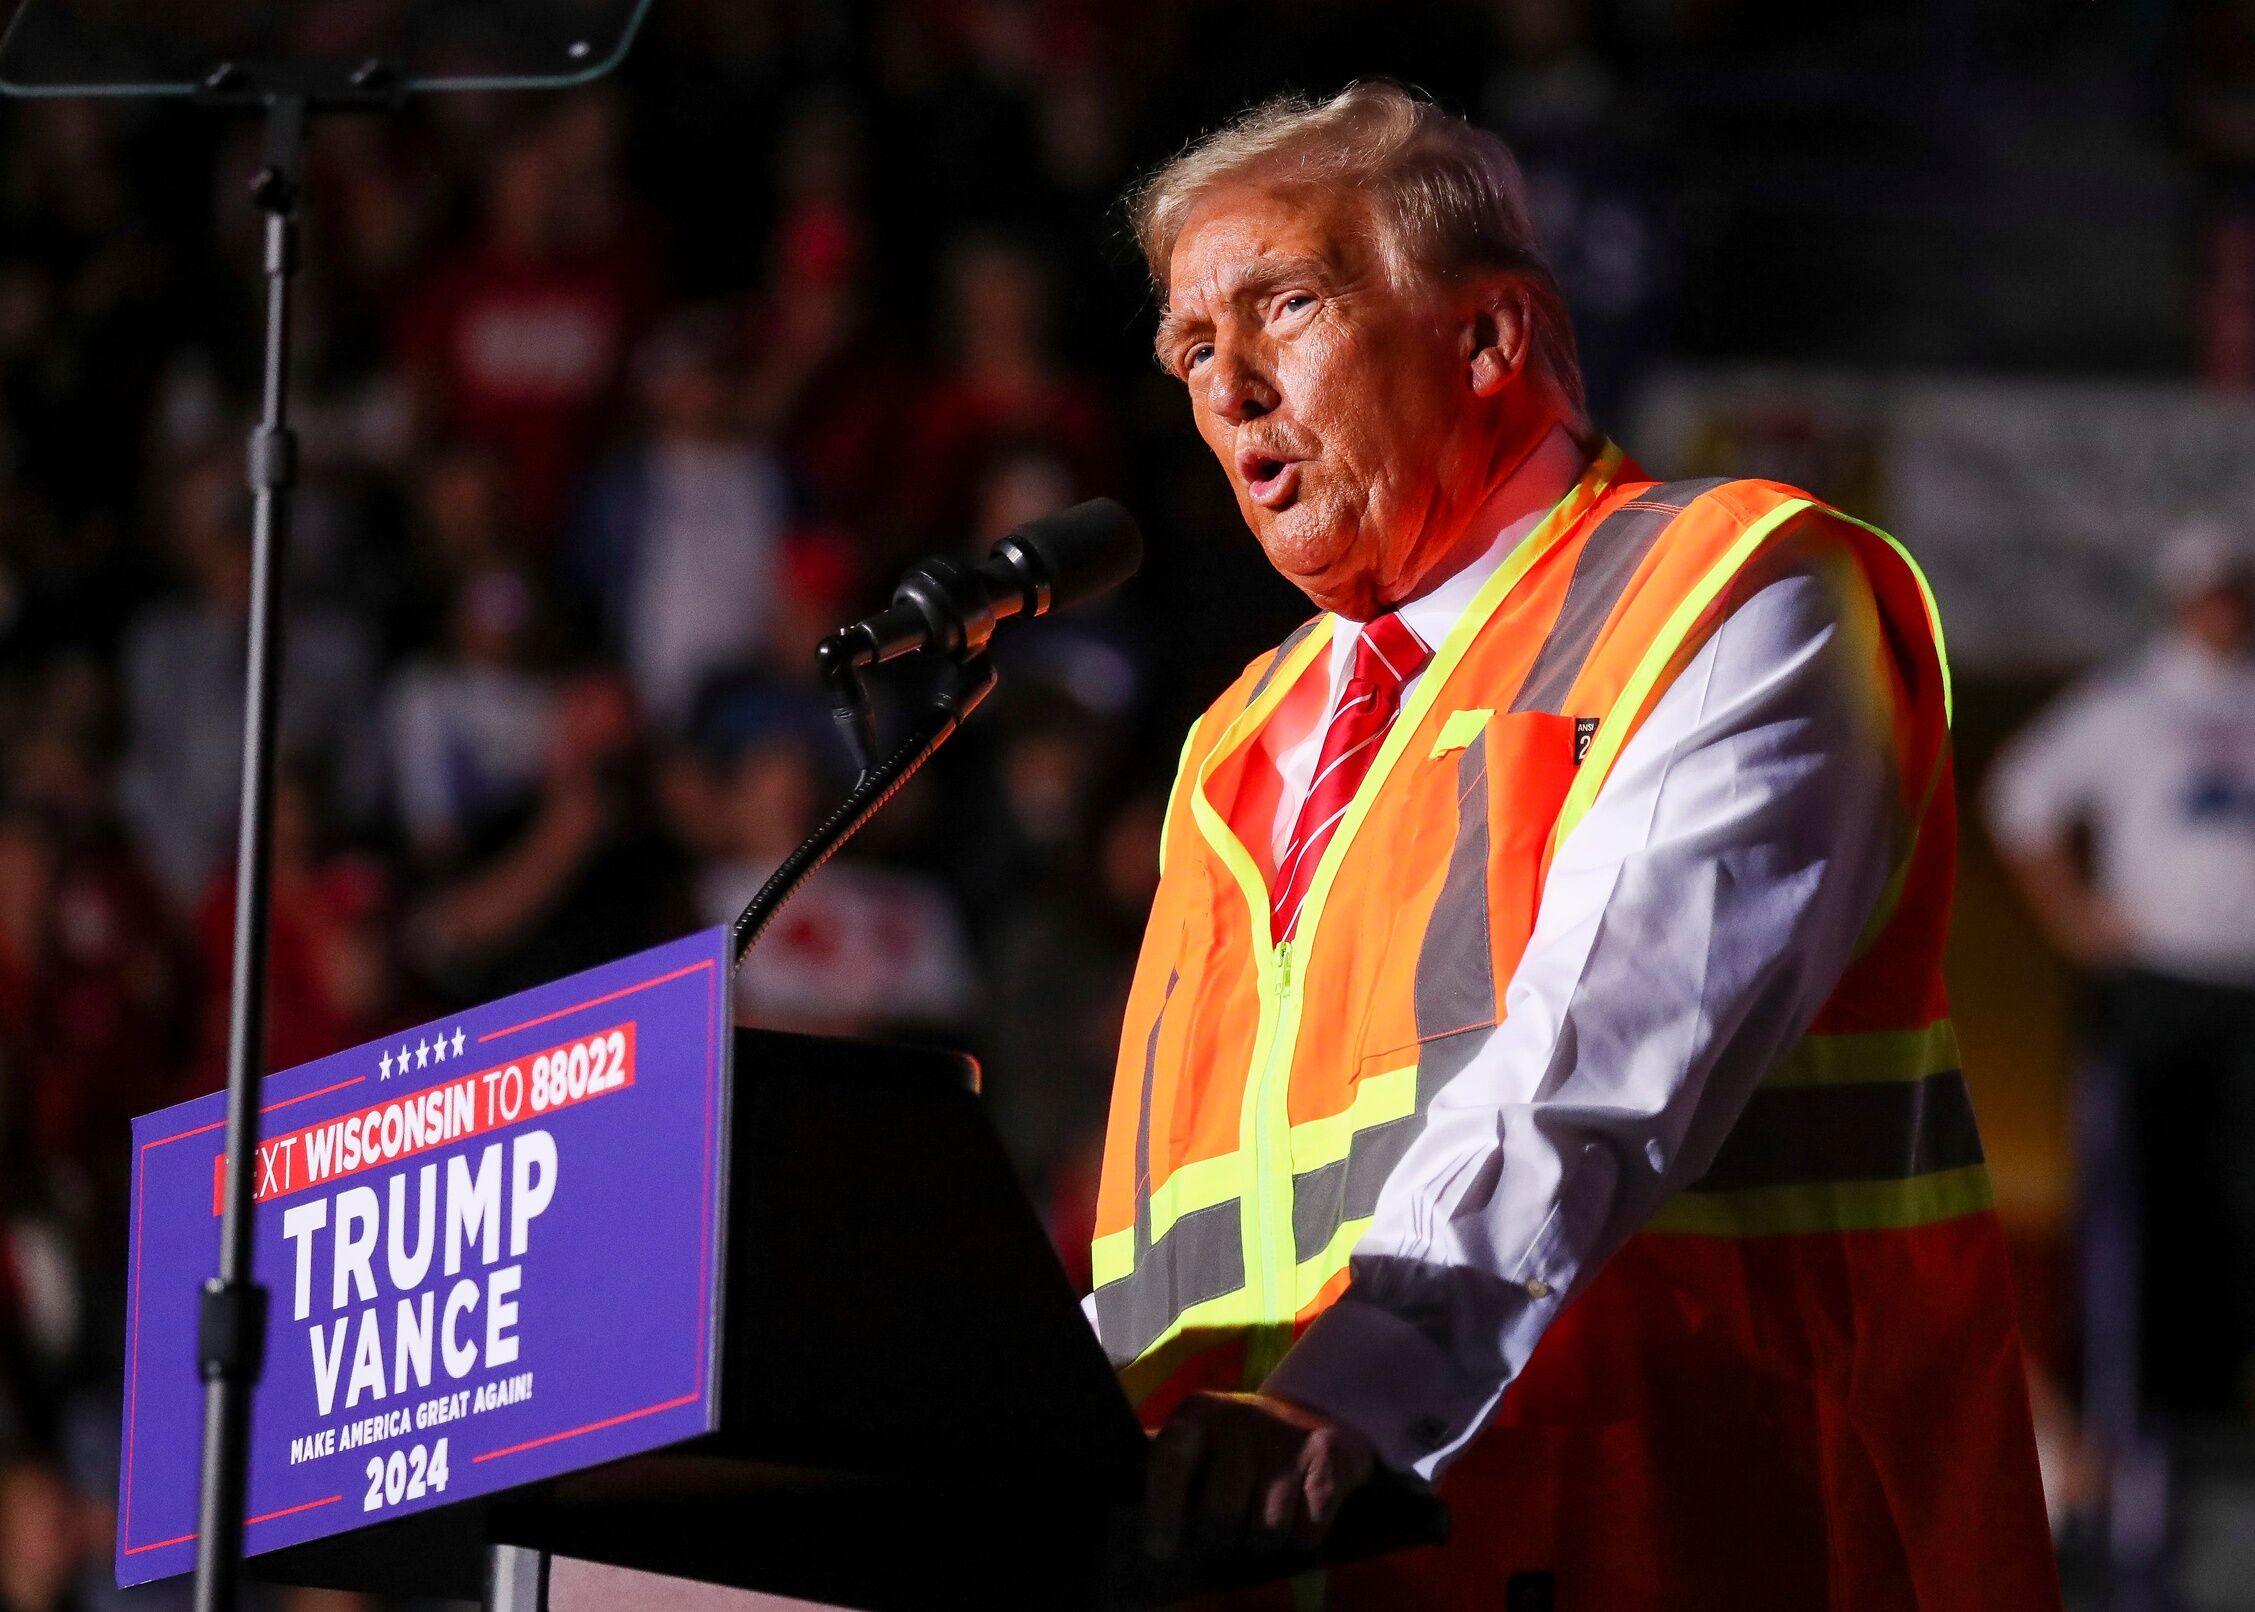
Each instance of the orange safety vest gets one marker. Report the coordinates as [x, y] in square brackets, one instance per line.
[1799, 1385]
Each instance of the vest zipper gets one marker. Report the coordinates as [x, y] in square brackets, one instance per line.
[1272, 1174]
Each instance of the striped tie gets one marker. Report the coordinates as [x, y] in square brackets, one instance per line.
[1387, 656]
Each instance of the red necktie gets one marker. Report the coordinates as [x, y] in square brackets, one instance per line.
[1387, 656]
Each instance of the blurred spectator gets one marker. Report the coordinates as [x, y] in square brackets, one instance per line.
[1005, 394]
[1035, 823]
[679, 539]
[1061, 964]
[826, 384]
[184, 664]
[94, 989]
[82, 333]
[862, 948]
[469, 725]
[2218, 109]
[2155, 763]
[43, 1308]
[43, 1537]
[463, 521]
[330, 980]
[581, 874]
[520, 341]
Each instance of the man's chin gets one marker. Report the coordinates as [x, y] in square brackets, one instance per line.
[1317, 561]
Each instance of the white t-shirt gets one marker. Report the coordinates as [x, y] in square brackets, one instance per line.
[705, 593]
[2158, 758]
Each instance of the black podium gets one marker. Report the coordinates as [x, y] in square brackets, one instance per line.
[913, 1411]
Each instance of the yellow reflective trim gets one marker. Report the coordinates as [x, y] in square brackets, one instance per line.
[1226, 1314]
[1933, 610]
[1174, 793]
[1840, 1060]
[1200, 1184]
[1461, 728]
[1378, 1098]
[1830, 1206]
[1111, 1258]
[1613, 730]
[1310, 1275]
[1261, 1279]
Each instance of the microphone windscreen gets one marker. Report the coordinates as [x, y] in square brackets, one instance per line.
[1083, 551]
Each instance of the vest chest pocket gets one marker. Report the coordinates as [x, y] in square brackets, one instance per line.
[1531, 763]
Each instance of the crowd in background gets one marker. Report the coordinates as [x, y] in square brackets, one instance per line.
[614, 400]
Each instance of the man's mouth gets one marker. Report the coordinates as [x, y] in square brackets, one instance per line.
[1270, 482]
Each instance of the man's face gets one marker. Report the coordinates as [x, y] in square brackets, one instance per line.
[2222, 619]
[1341, 405]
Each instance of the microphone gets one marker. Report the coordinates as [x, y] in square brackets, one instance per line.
[1053, 563]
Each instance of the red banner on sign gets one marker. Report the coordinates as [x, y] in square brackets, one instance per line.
[466, 1105]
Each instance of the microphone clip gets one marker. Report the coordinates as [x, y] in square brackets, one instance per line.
[942, 605]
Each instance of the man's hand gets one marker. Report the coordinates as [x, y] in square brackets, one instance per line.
[1234, 1474]
[2076, 915]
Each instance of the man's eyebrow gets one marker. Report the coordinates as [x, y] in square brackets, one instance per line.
[1173, 326]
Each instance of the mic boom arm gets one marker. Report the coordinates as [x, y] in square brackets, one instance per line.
[947, 606]
[968, 684]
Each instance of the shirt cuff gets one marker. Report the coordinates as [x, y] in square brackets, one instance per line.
[1366, 1367]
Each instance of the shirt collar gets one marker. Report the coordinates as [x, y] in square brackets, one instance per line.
[1546, 475]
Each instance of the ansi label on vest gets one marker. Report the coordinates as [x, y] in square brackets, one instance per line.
[1585, 730]
[489, 1245]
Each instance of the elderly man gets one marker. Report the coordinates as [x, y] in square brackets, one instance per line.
[1537, 1076]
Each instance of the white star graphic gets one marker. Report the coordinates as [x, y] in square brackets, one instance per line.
[438, 1049]
[422, 1054]
[457, 1041]
[403, 1057]
[384, 1064]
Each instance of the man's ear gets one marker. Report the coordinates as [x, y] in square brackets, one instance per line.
[1498, 334]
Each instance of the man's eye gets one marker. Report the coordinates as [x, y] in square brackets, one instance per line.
[1295, 302]
[1196, 356]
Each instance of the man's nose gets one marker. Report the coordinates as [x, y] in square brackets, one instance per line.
[1240, 389]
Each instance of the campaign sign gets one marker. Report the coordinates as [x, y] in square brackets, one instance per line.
[490, 1251]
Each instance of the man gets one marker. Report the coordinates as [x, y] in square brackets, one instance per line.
[1537, 1076]
[2156, 761]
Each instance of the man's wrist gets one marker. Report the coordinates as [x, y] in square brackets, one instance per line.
[1365, 1368]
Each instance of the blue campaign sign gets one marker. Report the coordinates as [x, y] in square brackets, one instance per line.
[490, 1249]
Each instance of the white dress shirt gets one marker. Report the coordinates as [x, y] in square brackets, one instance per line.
[1692, 924]
[2158, 758]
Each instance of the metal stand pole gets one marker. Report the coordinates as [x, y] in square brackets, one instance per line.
[232, 1323]
[516, 1579]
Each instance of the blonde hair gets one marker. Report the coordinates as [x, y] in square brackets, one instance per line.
[1447, 197]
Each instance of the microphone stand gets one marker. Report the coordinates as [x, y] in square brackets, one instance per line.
[231, 1322]
[842, 658]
